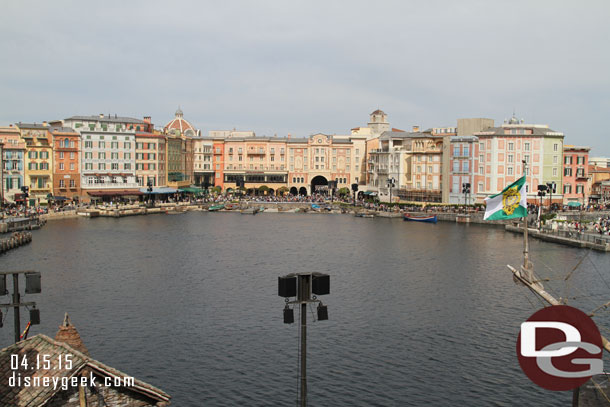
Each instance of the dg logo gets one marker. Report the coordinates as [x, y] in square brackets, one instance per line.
[560, 348]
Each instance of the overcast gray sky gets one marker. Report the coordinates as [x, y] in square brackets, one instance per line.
[302, 67]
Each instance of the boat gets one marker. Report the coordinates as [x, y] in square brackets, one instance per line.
[215, 208]
[249, 211]
[231, 206]
[364, 215]
[261, 209]
[429, 219]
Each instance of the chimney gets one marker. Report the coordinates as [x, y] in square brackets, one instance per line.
[101, 115]
[415, 129]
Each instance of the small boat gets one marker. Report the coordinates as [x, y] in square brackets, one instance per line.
[364, 215]
[249, 211]
[231, 206]
[215, 208]
[261, 209]
[429, 219]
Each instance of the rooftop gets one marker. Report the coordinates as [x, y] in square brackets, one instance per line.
[107, 119]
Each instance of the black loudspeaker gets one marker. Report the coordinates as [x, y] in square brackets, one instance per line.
[32, 283]
[35, 316]
[320, 284]
[322, 312]
[287, 286]
[288, 315]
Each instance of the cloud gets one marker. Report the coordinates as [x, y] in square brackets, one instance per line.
[308, 66]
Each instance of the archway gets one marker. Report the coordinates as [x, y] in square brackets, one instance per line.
[294, 191]
[303, 191]
[271, 191]
[319, 185]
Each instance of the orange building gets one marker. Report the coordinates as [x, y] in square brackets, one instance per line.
[66, 171]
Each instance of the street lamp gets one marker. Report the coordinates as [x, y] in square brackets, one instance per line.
[302, 286]
[465, 191]
[542, 188]
[391, 184]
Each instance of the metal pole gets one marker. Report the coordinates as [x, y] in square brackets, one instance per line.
[16, 301]
[304, 296]
[526, 262]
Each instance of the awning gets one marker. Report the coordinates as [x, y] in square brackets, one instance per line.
[60, 198]
[160, 190]
[372, 193]
[115, 192]
[573, 203]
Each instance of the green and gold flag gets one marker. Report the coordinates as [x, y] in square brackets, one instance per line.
[508, 204]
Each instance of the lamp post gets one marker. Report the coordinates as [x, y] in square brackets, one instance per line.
[302, 286]
[332, 185]
[391, 184]
[32, 286]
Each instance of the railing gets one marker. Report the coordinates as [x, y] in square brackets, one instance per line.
[583, 236]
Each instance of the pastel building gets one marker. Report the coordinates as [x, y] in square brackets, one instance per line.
[575, 174]
[417, 161]
[150, 159]
[38, 161]
[13, 153]
[66, 163]
[202, 161]
[108, 164]
[502, 150]
[464, 159]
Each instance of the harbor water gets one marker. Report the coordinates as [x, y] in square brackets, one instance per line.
[419, 314]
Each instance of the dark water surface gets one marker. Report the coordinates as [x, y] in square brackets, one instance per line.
[419, 314]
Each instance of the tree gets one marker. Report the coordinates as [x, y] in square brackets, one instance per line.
[343, 191]
[282, 190]
[263, 189]
[217, 189]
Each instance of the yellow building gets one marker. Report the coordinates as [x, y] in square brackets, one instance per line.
[38, 161]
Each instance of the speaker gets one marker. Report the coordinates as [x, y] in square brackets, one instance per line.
[288, 315]
[35, 316]
[320, 284]
[322, 312]
[32, 283]
[287, 286]
[3, 290]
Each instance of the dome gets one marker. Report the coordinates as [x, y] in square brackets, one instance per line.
[183, 126]
[378, 111]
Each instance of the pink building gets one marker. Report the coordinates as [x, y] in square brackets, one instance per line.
[575, 174]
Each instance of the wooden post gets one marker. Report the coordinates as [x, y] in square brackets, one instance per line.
[16, 301]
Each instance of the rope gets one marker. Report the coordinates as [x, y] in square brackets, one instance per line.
[298, 358]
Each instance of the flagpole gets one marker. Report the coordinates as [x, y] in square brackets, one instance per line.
[526, 263]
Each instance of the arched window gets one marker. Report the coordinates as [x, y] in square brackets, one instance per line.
[66, 143]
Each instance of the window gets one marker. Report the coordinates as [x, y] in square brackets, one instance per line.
[61, 166]
[567, 189]
[465, 166]
[526, 158]
[71, 155]
[127, 146]
[555, 159]
[481, 146]
[62, 183]
[567, 159]
[456, 151]
[511, 146]
[555, 172]
[465, 152]
[72, 166]
[509, 171]
[555, 147]
[527, 146]
[101, 156]
[456, 166]
[115, 166]
[72, 183]
[61, 154]
[102, 144]
[127, 166]
[567, 172]
[481, 170]
[579, 189]
[88, 144]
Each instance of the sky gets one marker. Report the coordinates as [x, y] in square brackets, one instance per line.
[303, 67]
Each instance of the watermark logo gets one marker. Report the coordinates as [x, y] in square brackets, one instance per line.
[560, 348]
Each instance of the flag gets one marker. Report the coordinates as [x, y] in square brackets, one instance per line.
[508, 204]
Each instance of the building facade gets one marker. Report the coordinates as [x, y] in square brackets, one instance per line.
[179, 151]
[108, 164]
[502, 150]
[464, 159]
[66, 164]
[150, 159]
[203, 161]
[575, 174]
[38, 161]
[13, 153]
